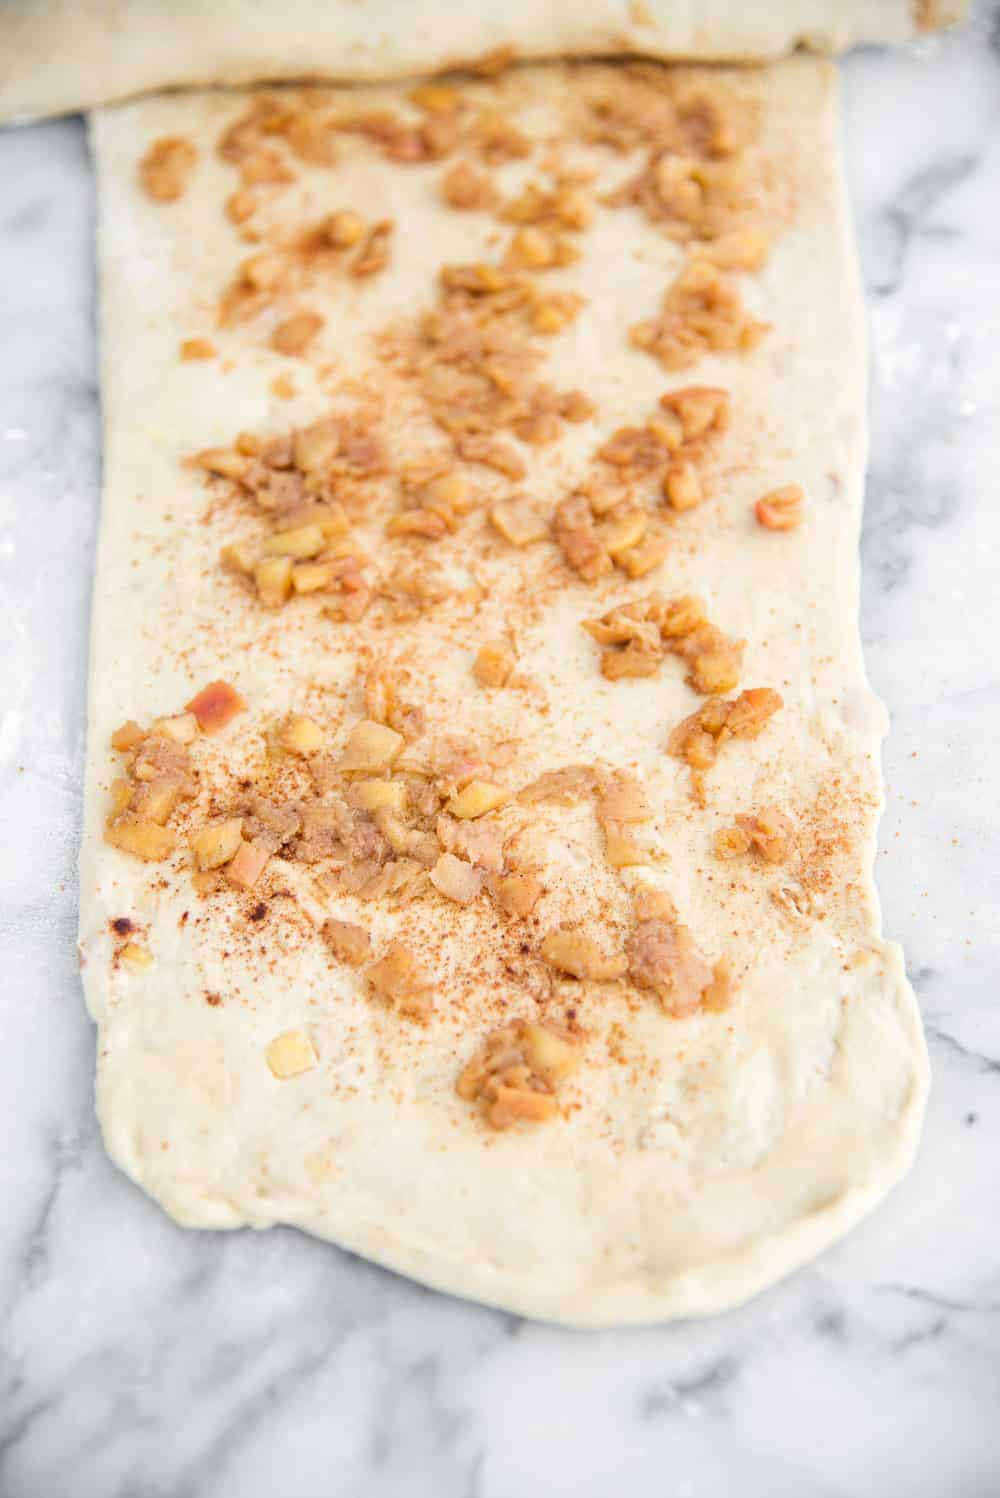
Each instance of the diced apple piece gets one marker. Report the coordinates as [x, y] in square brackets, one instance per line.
[700, 409]
[343, 229]
[578, 955]
[302, 736]
[436, 98]
[781, 509]
[651, 904]
[197, 348]
[628, 530]
[718, 996]
[549, 1055]
[129, 736]
[633, 663]
[399, 978]
[239, 556]
[264, 272]
[215, 706]
[296, 333]
[476, 799]
[494, 664]
[740, 249]
[623, 799]
[620, 847]
[451, 491]
[682, 487]
[136, 956]
[456, 879]
[247, 866]
[181, 727]
[312, 577]
[348, 943]
[371, 748]
[379, 796]
[682, 616]
[315, 447]
[301, 542]
[166, 168]
[515, 1073]
[638, 560]
[121, 797]
[145, 840]
[518, 522]
[156, 799]
[731, 842]
[426, 523]
[217, 844]
[520, 1105]
[290, 1054]
[273, 578]
[333, 522]
[667, 430]
[518, 894]
[223, 462]
[770, 832]
[563, 787]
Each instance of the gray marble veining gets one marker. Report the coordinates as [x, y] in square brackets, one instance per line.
[141, 1361]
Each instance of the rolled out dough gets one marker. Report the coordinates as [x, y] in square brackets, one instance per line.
[701, 1158]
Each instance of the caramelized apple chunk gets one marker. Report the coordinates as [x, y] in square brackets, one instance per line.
[518, 521]
[515, 1075]
[402, 982]
[781, 509]
[476, 799]
[218, 843]
[348, 942]
[517, 894]
[697, 739]
[301, 736]
[770, 832]
[215, 706]
[579, 956]
[663, 957]
[701, 313]
[247, 865]
[166, 168]
[639, 634]
[146, 840]
[371, 748]
[456, 879]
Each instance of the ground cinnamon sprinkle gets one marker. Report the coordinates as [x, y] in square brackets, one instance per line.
[366, 810]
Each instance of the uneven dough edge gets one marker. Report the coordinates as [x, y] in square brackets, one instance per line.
[721, 1284]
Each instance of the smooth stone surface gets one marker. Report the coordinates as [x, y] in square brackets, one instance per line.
[141, 1361]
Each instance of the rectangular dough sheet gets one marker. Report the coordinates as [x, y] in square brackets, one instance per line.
[695, 1159]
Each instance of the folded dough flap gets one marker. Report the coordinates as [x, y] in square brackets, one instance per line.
[62, 56]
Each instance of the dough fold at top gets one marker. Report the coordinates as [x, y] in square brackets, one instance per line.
[58, 56]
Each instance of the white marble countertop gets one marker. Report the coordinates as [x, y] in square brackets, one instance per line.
[141, 1361]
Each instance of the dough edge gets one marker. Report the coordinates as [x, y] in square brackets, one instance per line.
[722, 1285]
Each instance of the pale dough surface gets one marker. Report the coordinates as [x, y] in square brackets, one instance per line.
[62, 55]
[737, 1145]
